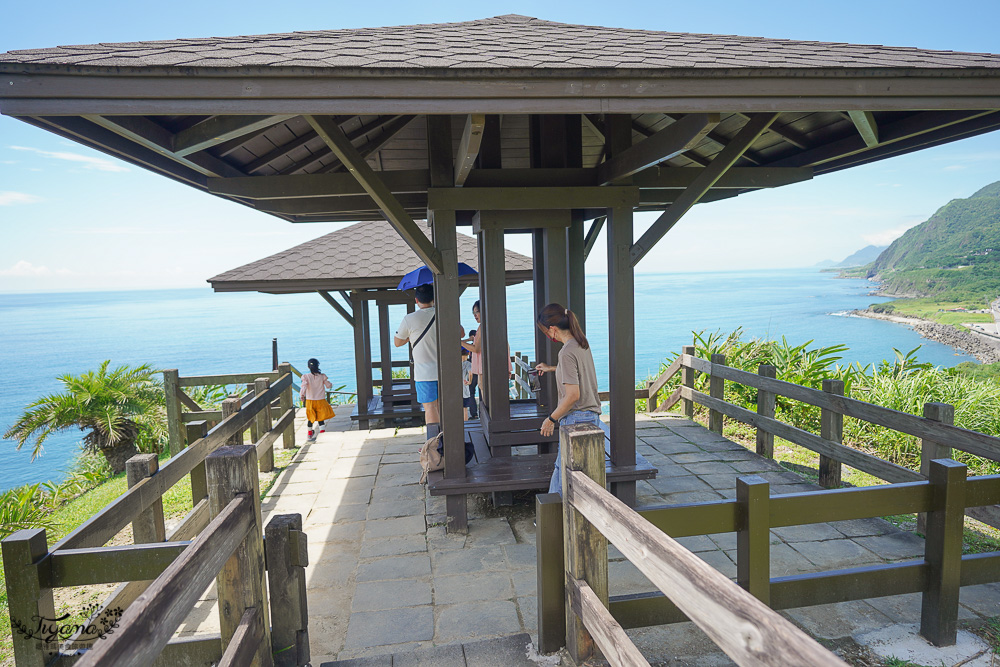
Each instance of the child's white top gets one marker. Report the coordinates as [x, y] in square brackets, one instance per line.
[466, 369]
[314, 387]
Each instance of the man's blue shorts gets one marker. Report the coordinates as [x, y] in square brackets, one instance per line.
[427, 392]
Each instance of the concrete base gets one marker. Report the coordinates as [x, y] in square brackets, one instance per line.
[903, 641]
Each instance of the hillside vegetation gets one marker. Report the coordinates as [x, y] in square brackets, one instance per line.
[953, 256]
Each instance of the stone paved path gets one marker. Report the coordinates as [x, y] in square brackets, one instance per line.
[384, 577]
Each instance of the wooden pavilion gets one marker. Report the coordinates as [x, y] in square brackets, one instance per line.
[511, 125]
[363, 263]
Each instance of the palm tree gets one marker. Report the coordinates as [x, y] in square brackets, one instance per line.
[121, 409]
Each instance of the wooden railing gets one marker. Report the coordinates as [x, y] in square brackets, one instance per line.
[84, 557]
[520, 366]
[736, 615]
[934, 428]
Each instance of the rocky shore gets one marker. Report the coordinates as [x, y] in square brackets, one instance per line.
[983, 348]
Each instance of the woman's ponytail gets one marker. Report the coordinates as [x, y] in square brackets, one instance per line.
[554, 315]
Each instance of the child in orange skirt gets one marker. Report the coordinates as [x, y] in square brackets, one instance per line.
[314, 386]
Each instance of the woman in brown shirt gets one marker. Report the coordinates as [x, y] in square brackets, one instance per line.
[576, 378]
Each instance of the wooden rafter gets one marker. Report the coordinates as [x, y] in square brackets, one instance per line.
[702, 184]
[285, 149]
[796, 139]
[306, 186]
[336, 306]
[325, 151]
[468, 147]
[331, 205]
[669, 142]
[389, 131]
[591, 238]
[217, 129]
[689, 155]
[864, 121]
[393, 210]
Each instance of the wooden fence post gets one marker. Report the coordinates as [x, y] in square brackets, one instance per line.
[550, 572]
[172, 385]
[232, 470]
[285, 404]
[287, 557]
[765, 408]
[651, 401]
[230, 407]
[148, 526]
[199, 483]
[687, 379]
[716, 389]
[586, 549]
[254, 426]
[943, 553]
[753, 539]
[26, 596]
[831, 428]
[930, 450]
[263, 424]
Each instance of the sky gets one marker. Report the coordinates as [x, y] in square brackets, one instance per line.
[74, 219]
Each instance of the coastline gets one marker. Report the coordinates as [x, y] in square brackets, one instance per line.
[984, 348]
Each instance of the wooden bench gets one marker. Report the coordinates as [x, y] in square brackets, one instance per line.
[490, 473]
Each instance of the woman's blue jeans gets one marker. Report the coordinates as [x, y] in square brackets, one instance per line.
[572, 417]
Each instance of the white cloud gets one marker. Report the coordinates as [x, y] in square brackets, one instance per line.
[8, 198]
[87, 161]
[885, 237]
[25, 268]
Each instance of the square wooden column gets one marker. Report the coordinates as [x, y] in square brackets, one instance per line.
[576, 276]
[446, 295]
[362, 365]
[544, 349]
[492, 276]
[385, 353]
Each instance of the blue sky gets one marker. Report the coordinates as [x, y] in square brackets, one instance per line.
[71, 218]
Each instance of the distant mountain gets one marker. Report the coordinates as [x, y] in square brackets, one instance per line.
[866, 255]
[825, 264]
[954, 255]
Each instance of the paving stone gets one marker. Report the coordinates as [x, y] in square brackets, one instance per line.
[337, 487]
[843, 619]
[455, 588]
[624, 578]
[694, 457]
[807, 533]
[353, 497]
[904, 643]
[396, 567]
[720, 561]
[406, 492]
[692, 497]
[436, 656]
[674, 644]
[836, 554]
[725, 541]
[379, 595]
[396, 474]
[525, 582]
[295, 488]
[370, 661]
[787, 562]
[780, 477]
[467, 561]
[679, 484]
[528, 607]
[490, 532]
[720, 483]
[336, 514]
[906, 608]
[341, 533]
[500, 652]
[801, 487]
[696, 543]
[395, 508]
[473, 620]
[300, 475]
[348, 469]
[393, 546]
[521, 556]
[409, 525]
[440, 540]
[378, 628]
[755, 464]
[894, 546]
[983, 599]
[864, 527]
[336, 570]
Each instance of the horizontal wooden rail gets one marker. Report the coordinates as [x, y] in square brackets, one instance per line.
[665, 376]
[671, 401]
[639, 394]
[104, 525]
[225, 379]
[742, 626]
[616, 646]
[973, 442]
[267, 440]
[107, 565]
[148, 624]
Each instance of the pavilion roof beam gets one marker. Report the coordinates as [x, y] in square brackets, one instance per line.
[336, 306]
[331, 205]
[796, 139]
[671, 141]
[468, 147]
[722, 142]
[591, 238]
[389, 131]
[326, 152]
[158, 139]
[393, 210]
[309, 186]
[702, 183]
[690, 155]
[219, 129]
[864, 121]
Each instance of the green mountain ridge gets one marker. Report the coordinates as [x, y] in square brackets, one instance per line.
[953, 255]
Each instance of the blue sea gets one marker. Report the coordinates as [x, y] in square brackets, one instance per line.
[200, 332]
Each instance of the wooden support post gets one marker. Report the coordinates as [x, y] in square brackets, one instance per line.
[930, 450]
[230, 407]
[753, 539]
[831, 428]
[716, 389]
[287, 557]
[262, 422]
[385, 351]
[494, 323]
[232, 470]
[621, 347]
[199, 483]
[364, 389]
[274, 354]
[687, 379]
[254, 431]
[943, 553]
[171, 385]
[543, 346]
[586, 550]
[550, 572]
[651, 398]
[446, 303]
[27, 597]
[148, 526]
[285, 404]
[765, 408]
[575, 259]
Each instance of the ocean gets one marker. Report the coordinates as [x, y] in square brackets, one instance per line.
[200, 332]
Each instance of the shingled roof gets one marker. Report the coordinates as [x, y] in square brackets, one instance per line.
[505, 42]
[367, 255]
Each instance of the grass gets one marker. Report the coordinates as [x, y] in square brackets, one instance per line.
[931, 309]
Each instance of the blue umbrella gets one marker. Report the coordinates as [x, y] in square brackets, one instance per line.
[424, 276]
